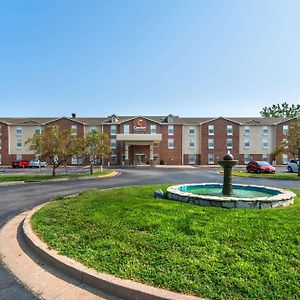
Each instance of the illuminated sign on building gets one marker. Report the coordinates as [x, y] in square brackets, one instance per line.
[139, 125]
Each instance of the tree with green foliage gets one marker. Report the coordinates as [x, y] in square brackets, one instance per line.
[54, 145]
[281, 110]
[94, 147]
[291, 143]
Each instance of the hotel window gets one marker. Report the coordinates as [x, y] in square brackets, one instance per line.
[211, 159]
[211, 130]
[18, 130]
[246, 158]
[113, 129]
[74, 160]
[74, 129]
[229, 130]
[170, 129]
[192, 130]
[285, 143]
[285, 129]
[246, 130]
[192, 144]
[37, 130]
[229, 144]
[153, 129]
[0, 144]
[19, 144]
[0, 159]
[170, 144]
[211, 144]
[265, 157]
[265, 130]
[113, 158]
[192, 159]
[246, 144]
[126, 129]
[285, 159]
[113, 143]
[18, 156]
[170, 119]
[265, 144]
[93, 129]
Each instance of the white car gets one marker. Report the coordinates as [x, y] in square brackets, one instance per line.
[37, 164]
[293, 165]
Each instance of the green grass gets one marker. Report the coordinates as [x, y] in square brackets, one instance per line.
[290, 176]
[39, 177]
[205, 251]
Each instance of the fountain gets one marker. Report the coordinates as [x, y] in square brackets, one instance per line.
[229, 195]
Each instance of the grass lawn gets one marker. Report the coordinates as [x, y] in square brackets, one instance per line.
[292, 176]
[210, 252]
[38, 177]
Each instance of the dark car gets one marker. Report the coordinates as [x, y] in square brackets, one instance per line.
[20, 164]
[260, 167]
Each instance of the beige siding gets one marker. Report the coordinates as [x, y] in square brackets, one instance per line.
[256, 138]
[186, 139]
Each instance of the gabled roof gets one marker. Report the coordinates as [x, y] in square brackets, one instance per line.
[70, 119]
[227, 119]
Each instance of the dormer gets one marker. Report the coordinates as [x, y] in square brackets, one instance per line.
[114, 118]
[170, 118]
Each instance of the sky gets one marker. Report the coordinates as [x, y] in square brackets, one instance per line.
[188, 58]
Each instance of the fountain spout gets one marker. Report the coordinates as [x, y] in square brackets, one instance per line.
[227, 163]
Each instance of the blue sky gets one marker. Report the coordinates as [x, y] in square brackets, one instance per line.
[192, 58]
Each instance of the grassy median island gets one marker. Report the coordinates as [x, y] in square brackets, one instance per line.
[210, 252]
[41, 177]
[291, 176]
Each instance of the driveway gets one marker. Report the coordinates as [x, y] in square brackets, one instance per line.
[19, 198]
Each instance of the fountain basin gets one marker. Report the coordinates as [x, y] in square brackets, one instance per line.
[244, 196]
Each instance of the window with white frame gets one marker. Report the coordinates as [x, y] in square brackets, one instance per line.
[211, 143]
[113, 158]
[211, 159]
[265, 157]
[170, 129]
[247, 130]
[0, 143]
[285, 143]
[18, 156]
[93, 128]
[229, 130]
[192, 159]
[113, 143]
[74, 129]
[192, 143]
[265, 144]
[211, 129]
[229, 144]
[0, 159]
[18, 130]
[191, 130]
[285, 159]
[126, 129]
[170, 143]
[153, 128]
[285, 129]
[19, 144]
[265, 130]
[170, 119]
[246, 143]
[246, 158]
[113, 129]
[74, 160]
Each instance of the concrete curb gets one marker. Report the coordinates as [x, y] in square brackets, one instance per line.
[112, 174]
[125, 289]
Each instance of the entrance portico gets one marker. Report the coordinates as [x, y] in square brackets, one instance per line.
[139, 148]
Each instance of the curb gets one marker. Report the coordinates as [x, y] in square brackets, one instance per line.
[125, 289]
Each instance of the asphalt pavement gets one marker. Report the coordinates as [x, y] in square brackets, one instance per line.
[18, 198]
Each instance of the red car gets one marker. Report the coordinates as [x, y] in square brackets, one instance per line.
[20, 164]
[260, 167]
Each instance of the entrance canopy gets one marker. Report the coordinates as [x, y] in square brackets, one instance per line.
[148, 138]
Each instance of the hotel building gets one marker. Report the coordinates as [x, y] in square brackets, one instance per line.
[138, 140]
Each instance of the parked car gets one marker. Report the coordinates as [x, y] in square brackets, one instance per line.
[293, 165]
[20, 163]
[36, 164]
[260, 167]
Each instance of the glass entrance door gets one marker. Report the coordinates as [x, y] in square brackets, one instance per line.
[139, 159]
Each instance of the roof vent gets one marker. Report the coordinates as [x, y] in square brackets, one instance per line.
[73, 115]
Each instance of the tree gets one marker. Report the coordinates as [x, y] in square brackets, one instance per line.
[291, 144]
[281, 110]
[94, 147]
[55, 145]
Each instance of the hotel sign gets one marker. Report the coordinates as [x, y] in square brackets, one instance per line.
[139, 126]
